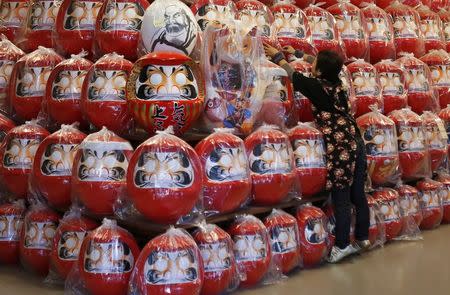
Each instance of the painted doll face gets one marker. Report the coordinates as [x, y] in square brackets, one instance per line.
[102, 163]
[39, 235]
[107, 86]
[257, 18]
[10, 227]
[430, 199]
[43, 14]
[349, 26]
[284, 239]
[58, 159]
[409, 205]
[440, 75]
[380, 141]
[212, 13]
[270, 158]
[365, 83]
[405, 27]
[175, 267]
[430, 29]
[81, 15]
[289, 24]
[390, 210]
[411, 139]
[166, 83]
[107, 258]
[250, 247]
[226, 164]
[20, 153]
[378, 29]
[69, 245]
[68, 84]
[446, 26]
[433, 137]
[309, 153]
[391, 83]
[6, 67]
[416, 80]
[446, 195]
[164, 170]
[315, 232]
[13, 14]
[31, 81]
[321, 27]
[216, 256]
[277, 89]
[123, 16]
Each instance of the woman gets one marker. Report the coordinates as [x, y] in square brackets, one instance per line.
[346, 158]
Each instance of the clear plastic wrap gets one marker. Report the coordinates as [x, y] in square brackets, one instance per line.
[17, 154]
[302, 4]
[421, 94]
[164, 178]
[381, 33]
[213, 12]
[380, 138]
[105, 262]
[314, 237]
[226, 176]
[221, 273]
[11, 223]
[444, 114]
[75, 26]
[5, 125]
[63, 90]
[165, 89]
[353, 29]
[13, 14]
[103, 99]
[28, 82]
[438, 62]
[284, 240]
[388, 200]
[169, 26]
[52, 166]
[118, 25]
[325, 34]
[271, 162]
[393, 85]
[430, 198]
[66, 244]
[36, 239]
[310, 158]
[444, 15]
[253, 252]
[366, 85]
[444, 178]
[37, 28]
[257, 16]
[407, 33]
[302, 105]
[99, 171]
[410, 213]
[9, 55]
[415, 161]
[431, 27]
[436, 137]
[171, 263]
[377, 226]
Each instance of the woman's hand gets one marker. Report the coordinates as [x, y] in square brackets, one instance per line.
[270, 50]
[289, 49]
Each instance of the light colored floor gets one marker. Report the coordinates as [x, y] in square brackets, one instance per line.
[409, 268]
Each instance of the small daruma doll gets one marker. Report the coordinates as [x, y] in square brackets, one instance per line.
[374, 224]
[52, 167]
[439, 63]
[13, 14]
[37, 237]
[444, 178]
[9, 55]
[226, 176]
[11, 223]
[251, 248]
[388, 200]
[106, 259]
[436, 139]
[409, 202]
[165, 89]
[164, 178]
[17, 155]
[99, 171]
[430, 197]
[169, 264]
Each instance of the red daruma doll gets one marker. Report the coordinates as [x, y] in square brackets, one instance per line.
[213, 12]
[390, 209]
[118, 25]
[412, 144]
[169, 264]
[100, 170]
[444, 114]
[17, 154]
[37, 237]
[11, 223]
[431, 27]
[103, 99]
[226, 177]
[438, 62]
[271, 162]
[393, 89]
[75, 26]
[380, 32]
[52, 167]
[220, 269]
[444, 178]
[309, 155]
[430, 196]
[436, 138]
[28, 81]
[374, 226]
[106, 260]
[251, 248]
[9, 55]
[409, 202]
[284, 239]
[255, 14]
[444, 14]
[13, 14]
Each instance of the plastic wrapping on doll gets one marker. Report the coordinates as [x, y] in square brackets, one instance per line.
[410, 212]
[443, 177]
[12, 15]
[431, 194]
[11, 219]
[432, 29]
[438, 62]
[436, 139]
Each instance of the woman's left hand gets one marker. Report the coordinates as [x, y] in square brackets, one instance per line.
[270, 50]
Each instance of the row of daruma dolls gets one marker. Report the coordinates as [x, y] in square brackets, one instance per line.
[106, 259]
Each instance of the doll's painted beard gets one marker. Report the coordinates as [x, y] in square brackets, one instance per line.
[250, 247]
[69, 245]
[270, 158]
[108, 258]
[102, 165]
[68, 84]
[107, 86]
[13, 14]
[122, 16]
[226, 164]
[81, 15]
[174, 267]
[10, 227]
[216, 256]
[20, 153]
[31, 81]
[39, 235]
[289, 25]
[43, 15]
[284, 239]
[315, 232]
[309, 153]
[58, 159]
[164, 170]
[158, 82]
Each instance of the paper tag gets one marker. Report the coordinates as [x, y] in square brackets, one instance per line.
[442, 130]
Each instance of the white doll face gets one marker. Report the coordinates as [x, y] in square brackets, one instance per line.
[216, 256]
[378, 29]
[349, 26]
[122, 16]
[213, 13]
[284, 239]
[69, 245]
[58, 159]
[68, 84]
[321, 27]
[405, 26]
[227, 164]
[309, 153]
[380, 141]
[107, 86]
[417, 80]
[43, 15]
[391, 211]
[411, 139]
[365, 83]
[289, 24]
[315, 231]
[440, 75]
[10, 227]
[81, 15]
[392, 83]
[20, 153]
[31, 81]
[270, 158]
[430, 200]
[107, 258]
[6, 67]
[250, 247]
[39, 235]
[256, 18]
[13, 14]
[430, 29]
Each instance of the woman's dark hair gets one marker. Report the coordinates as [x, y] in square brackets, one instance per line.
[329, 63]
